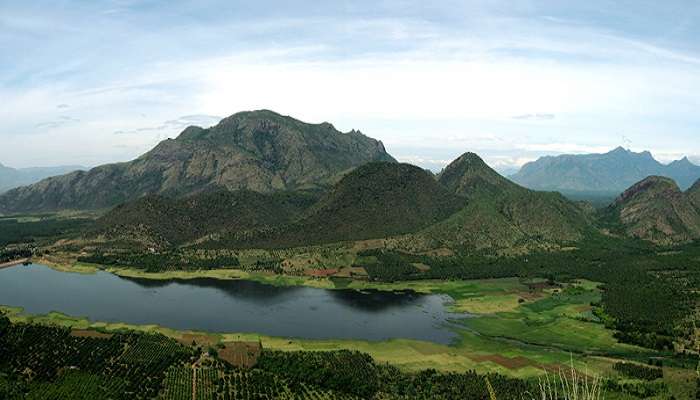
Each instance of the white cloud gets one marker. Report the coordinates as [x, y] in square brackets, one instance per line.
[509, 88]
[563, 148]
[535, 117]
[429, 163]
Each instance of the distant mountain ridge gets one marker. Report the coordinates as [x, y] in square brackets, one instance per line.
[611, 172]
[14, 177]
[260, 151]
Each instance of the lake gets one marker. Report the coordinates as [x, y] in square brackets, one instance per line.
[230, 305]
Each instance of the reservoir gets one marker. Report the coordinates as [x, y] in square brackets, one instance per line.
[235, 306]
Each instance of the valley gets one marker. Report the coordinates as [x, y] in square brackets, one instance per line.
[219, 242]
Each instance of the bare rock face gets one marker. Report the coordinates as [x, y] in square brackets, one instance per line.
[655, 209]
[694, 194]
[260, 151]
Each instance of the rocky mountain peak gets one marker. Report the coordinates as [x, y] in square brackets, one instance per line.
[655, 209]
[261, 150]
[651, 185]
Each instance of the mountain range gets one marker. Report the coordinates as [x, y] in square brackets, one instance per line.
[608, 173]
[260, 151]
[260, 180]
[11, 177]
[467, 207]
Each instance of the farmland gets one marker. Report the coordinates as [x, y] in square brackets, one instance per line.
[549, 326]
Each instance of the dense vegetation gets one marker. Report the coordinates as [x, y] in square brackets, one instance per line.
[357, 374]
[166, 222]
[29, 229]
[376, 200]
[9, 254]
[638, 371]
[648, 295]
[159, 262]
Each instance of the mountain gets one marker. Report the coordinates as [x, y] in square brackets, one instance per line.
[160, 222]
[499, 214]
[12, 178]
[260, 151]
[376, 200]
[469, 206]
[655, 209]
[612, 172]
[683, 172]
[694, 194]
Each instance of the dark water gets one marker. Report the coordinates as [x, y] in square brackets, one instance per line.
[229, 306]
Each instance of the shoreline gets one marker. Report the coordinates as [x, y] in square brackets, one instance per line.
[424, 286]
[14, 263]
[466, 353]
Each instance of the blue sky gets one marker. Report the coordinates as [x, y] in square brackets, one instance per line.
[89, 82]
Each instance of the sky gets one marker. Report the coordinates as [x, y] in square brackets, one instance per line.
[91, 82]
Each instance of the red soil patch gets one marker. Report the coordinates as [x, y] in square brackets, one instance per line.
[351, 272]
[241, 354]
[89, 333]
[201, 340]
[368, 244]
[510, 363]
[321, 273]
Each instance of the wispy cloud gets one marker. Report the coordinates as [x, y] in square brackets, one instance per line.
[535, 117]
[509, 80]
[60, 121]
[175, 125]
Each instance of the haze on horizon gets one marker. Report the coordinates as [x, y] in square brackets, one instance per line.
[85, 82]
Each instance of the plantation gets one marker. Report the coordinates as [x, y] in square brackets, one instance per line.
[639, 371]
[160, 262]
[39, 228]
[48, 362]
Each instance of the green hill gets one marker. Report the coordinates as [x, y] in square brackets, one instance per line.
[377, 200]
[158, 221]
[500, 215]
[655, 209]
[260, 151]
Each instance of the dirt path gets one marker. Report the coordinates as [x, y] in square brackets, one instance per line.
[194, 383]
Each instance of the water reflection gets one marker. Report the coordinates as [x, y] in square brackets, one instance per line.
[229, 306]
